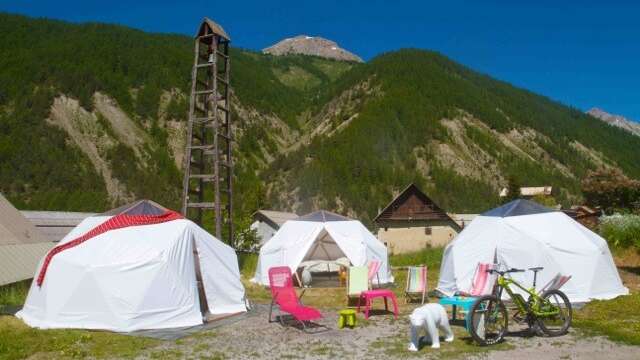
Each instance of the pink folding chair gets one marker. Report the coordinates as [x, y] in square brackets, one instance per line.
[556, 283]
[374, 267]
[482, 283]
[284, 295]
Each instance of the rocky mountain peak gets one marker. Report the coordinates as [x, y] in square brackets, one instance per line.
[311, 45]
[616, 120]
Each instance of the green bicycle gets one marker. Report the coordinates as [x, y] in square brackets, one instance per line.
[548, 313]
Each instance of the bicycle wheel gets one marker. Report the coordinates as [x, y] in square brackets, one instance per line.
[559, 323]
[488, 320]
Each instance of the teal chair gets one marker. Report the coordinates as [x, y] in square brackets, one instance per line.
[483, 283]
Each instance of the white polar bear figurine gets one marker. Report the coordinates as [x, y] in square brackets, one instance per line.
[430, 317]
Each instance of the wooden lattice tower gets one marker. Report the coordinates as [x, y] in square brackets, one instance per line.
[207, 186]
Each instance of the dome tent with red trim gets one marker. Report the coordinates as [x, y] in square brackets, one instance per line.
[134, 267]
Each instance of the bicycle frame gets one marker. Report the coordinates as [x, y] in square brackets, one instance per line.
[539, 306]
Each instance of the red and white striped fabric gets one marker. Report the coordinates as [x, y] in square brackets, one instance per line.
[116, 222]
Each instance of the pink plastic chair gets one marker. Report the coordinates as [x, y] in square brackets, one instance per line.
[385, 294]
[284, 295]
[374, 267]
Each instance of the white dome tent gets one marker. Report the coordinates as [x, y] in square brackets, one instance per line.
[321, 236]
[136, 277]
[524, 234]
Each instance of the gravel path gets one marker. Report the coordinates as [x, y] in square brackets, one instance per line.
[571, 346]
[381, 337]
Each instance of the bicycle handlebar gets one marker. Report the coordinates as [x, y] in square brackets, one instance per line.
[512, 270]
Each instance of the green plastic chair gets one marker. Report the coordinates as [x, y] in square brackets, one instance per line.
[357, 282]
[347, 317]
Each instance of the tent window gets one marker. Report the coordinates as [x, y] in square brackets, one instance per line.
[427, 231]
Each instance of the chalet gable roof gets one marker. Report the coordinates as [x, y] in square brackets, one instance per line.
[423, 208]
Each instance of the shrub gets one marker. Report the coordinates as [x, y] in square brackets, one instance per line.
[622, 231]
[247, 262]
[14, 294]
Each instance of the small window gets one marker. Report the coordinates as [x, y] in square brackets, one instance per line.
[427, 231]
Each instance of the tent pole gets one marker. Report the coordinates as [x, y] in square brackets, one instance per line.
[204, 305]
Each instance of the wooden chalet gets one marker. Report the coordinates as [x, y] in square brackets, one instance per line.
[412, 221]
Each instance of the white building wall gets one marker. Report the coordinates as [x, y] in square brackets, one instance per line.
[263, 230]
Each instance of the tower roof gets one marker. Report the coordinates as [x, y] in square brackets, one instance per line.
[213, 26]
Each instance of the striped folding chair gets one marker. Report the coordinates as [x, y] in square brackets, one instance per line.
[416, 283]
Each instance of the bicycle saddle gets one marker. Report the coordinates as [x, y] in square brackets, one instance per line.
[535, 269]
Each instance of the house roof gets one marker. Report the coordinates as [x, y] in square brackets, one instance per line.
[530, 191]
[21, 245]
[54, 225]
[586, 210]
[462, 219]
[274, 218]
[397, 210]
[215, 28]
[322, 216]
[518, 207]
[582, 211]
[15, 228]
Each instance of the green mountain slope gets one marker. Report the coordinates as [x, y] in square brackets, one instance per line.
[130, 112]
[429, 101]
[93, 115]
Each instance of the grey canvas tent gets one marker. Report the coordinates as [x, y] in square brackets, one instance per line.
[518, 207]
[21, 245]
[140, 207]
[322, 216]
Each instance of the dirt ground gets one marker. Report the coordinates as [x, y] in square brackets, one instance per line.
[629, 269]
[381, 337]
[571, 346]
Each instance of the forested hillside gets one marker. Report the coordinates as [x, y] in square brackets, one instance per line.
[458, 134]
[93, 115]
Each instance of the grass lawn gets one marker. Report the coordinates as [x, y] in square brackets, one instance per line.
[18, 341]
[618, 319]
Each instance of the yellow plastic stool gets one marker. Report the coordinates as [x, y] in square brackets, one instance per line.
[347, 317]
